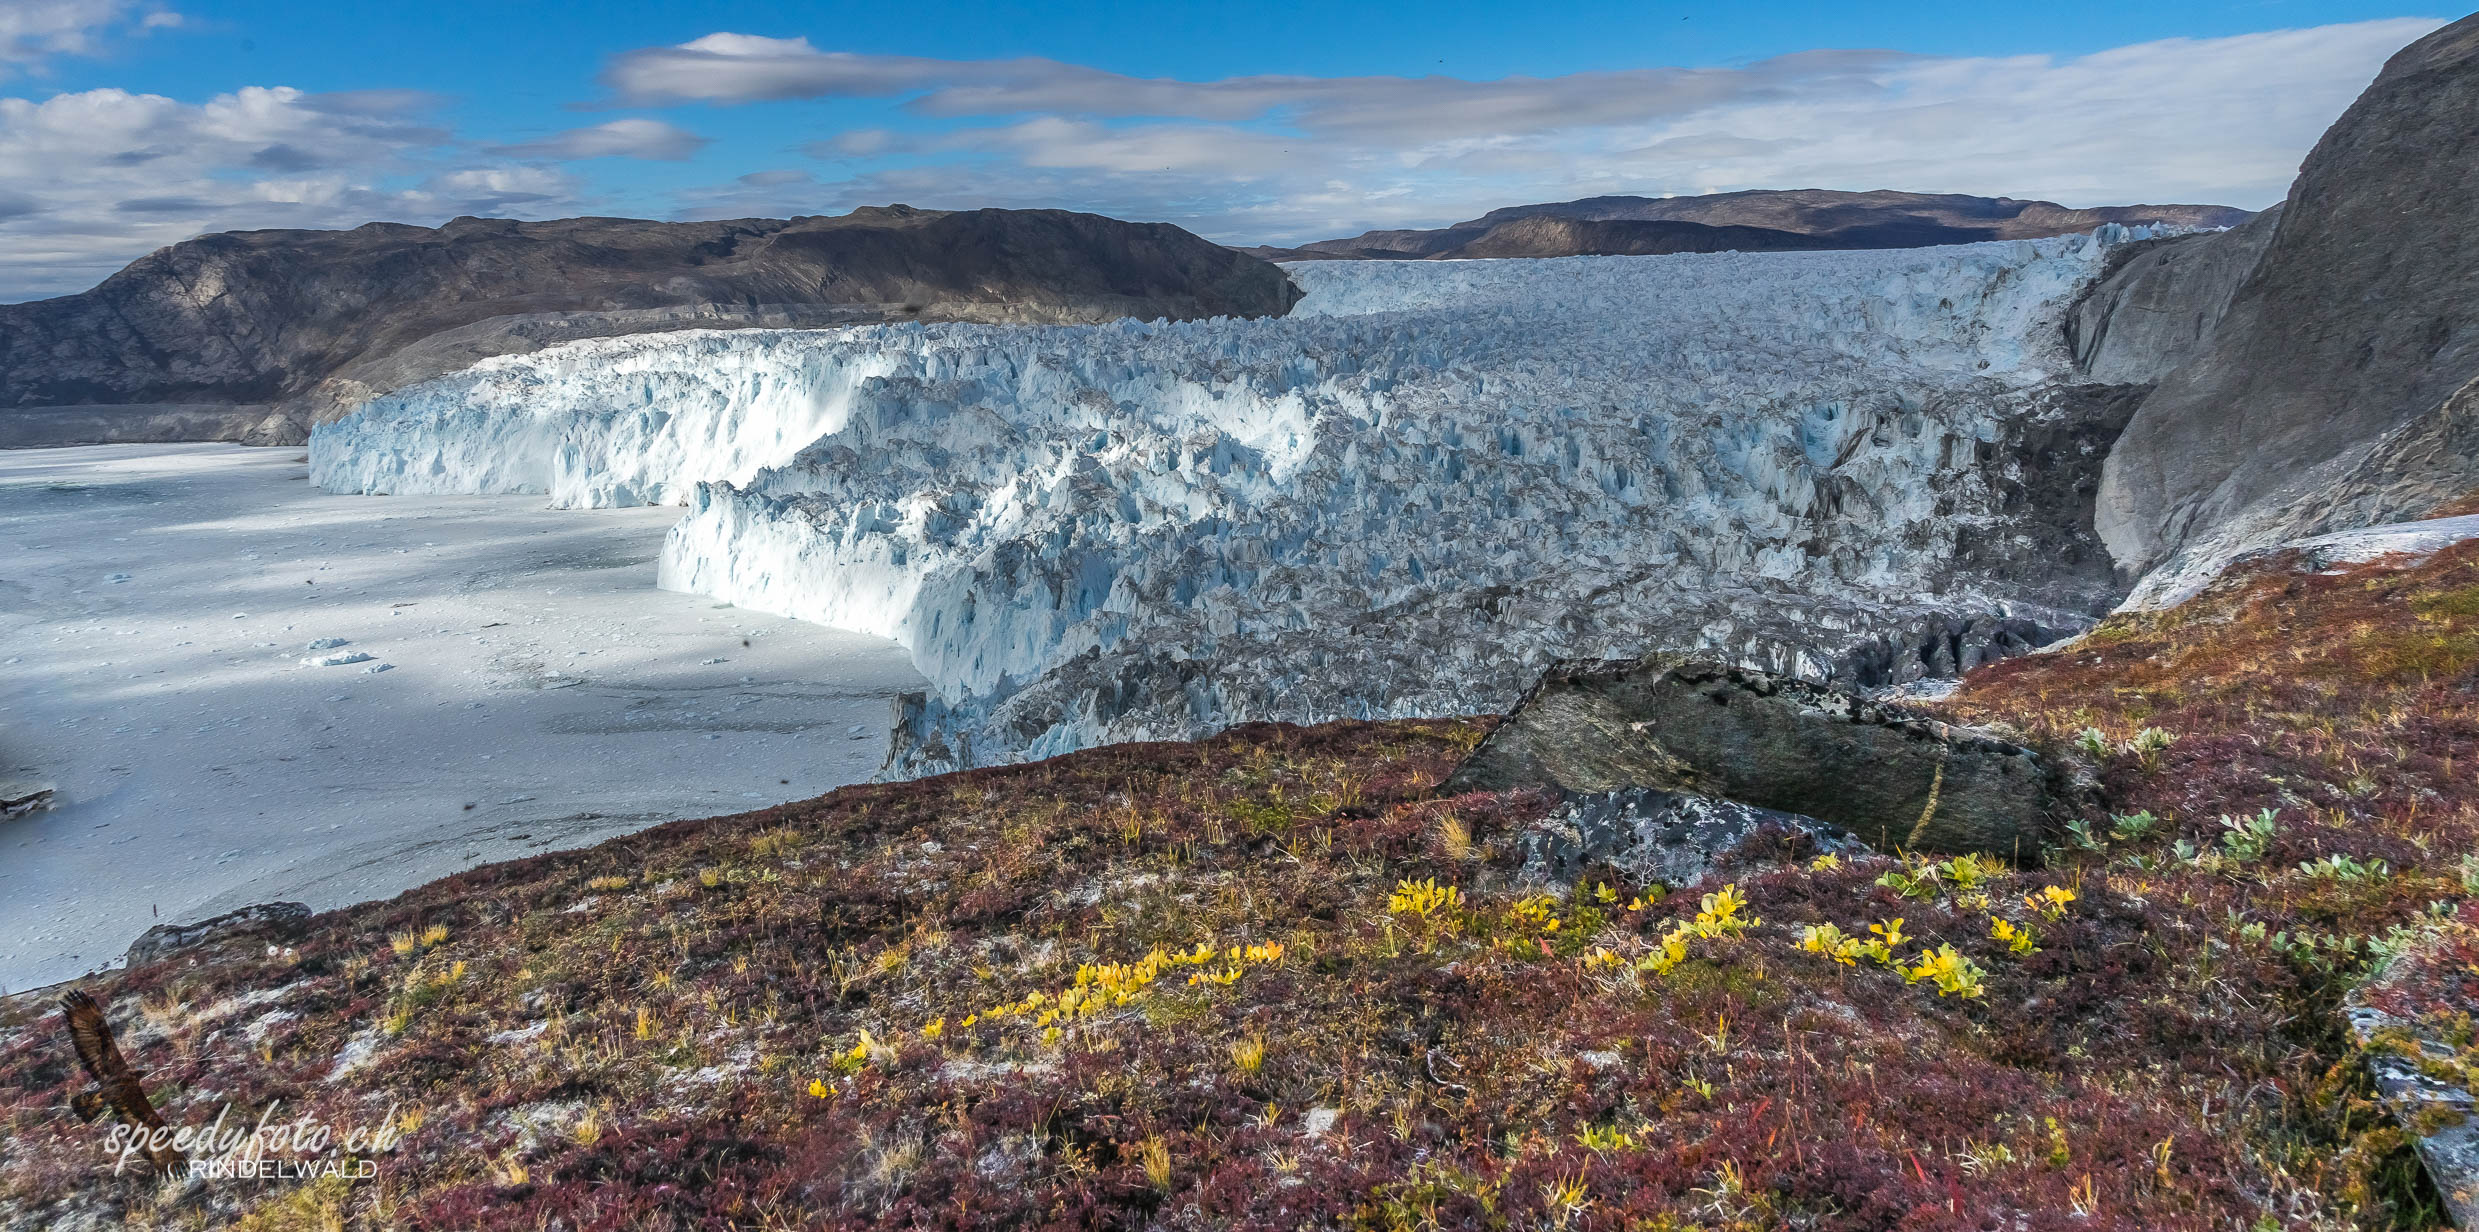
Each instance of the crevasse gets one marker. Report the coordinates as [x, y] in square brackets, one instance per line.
[1404, 498]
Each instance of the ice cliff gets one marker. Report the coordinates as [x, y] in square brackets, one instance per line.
[1404, 498]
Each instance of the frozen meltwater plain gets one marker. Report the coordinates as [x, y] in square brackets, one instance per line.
[247, 689]
[1406, 498]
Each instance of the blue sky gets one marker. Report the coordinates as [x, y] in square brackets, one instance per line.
[127, 124]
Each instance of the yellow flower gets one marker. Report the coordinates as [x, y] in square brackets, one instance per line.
[1672, 952]
[1718, 914]
[1827, 939]
[1954, 974]
[1422, 898]
[2017, 938]
[860, 1048]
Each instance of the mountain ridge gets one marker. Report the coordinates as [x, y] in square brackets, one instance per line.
[1753, 220]
[254, 335]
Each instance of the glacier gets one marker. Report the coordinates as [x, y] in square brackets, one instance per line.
[1405, 498]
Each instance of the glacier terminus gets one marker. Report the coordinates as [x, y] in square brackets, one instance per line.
[1404, 498]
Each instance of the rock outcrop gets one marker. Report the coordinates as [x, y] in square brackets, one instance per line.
[1645, 837]
[19, 797]
[275, 921]
[254, 335]
[2359, 318]
[1699, 727]
[2404, 477]
[1756, 221]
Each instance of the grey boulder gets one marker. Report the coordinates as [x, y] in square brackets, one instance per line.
[1894, 778]
[276, 921]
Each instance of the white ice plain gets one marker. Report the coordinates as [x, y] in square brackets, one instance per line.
[525, 687]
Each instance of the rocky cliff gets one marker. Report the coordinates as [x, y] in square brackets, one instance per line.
[1759, 221]
[2357, 320]
[2159, 300]
[254, 335]
[2424, 469]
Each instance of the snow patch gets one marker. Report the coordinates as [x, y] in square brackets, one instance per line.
[2186, 576]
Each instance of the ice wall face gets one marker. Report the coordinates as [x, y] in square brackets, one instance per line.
[622, 421]
[1404, 498]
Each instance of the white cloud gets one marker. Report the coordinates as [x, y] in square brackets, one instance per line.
[744, 68]
[34, 31]
[498, 189]
[1291, 158]
[92, 179]
[630, 138]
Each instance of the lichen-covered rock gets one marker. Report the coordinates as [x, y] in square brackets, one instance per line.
[1894, 778]
[2411, 1022]
[2437, 1113]
[281, 921]
[1650, 837]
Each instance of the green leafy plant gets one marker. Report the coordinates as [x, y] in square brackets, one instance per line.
[2247, 840]
[2338, 867]
[1969, 872]
[2127, 827]
[1830, 941]
[2149, 744]
[2093, 743]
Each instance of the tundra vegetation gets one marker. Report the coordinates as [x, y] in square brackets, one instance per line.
[1277, 979]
